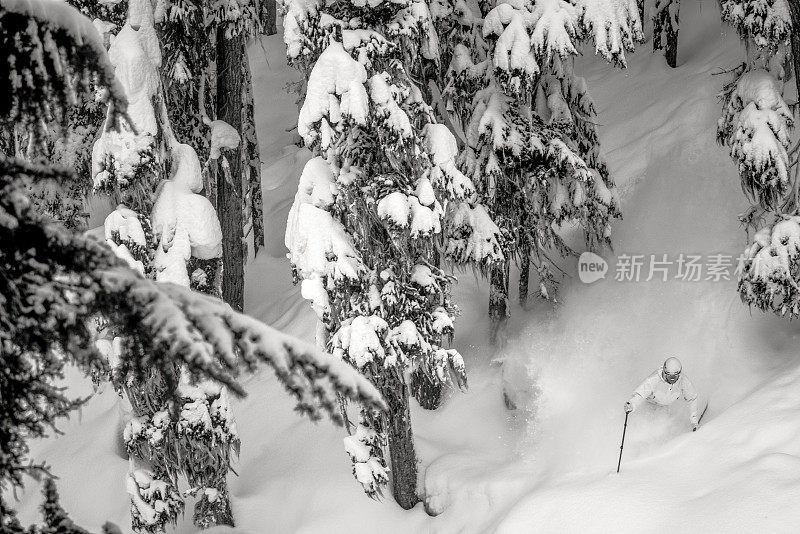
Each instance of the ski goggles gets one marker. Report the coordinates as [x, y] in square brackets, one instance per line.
[672, 378]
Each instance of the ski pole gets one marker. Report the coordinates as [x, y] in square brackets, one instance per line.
[624, 428]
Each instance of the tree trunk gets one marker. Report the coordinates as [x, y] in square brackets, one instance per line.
[672, 42]
[498, 300]
[230, 60]
[253, 159]
[794, 10]
[402, 455]
[524, 275]
[427, 391]
[640, 5]
[271, 22]
[666, 24]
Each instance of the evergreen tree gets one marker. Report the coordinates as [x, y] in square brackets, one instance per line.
[184, 248]
[188, 32]
[377, 211]
[66, 203]
[756, 124]
[361, 237]
[374, 195]
[756, 120]
[531, 145]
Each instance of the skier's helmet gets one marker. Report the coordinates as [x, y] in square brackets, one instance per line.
[672, 370]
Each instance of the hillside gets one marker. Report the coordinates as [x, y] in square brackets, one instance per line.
[549, 466]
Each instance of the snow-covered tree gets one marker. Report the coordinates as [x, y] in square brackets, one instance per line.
[185, 249]
[761, 22]
[364, 235]
[530, 143]
[74, 151]
[756, 122]
[67, 144]
[196, 83]
[360, 61]
[378, 212]
[188, 78]
[129, 162]
[54, 282]
[757, 125]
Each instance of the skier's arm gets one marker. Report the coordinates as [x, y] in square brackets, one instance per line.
[641, 393]
[690, 394]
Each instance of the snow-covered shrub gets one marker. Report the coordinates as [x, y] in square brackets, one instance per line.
[155, 502]
[770, 269]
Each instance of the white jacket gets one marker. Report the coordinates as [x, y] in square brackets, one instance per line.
[658, 391]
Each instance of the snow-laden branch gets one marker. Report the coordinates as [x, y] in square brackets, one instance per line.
[526, 37]
[174, 323]
[614, 26]
[58, 51]
[764, 21]
[755, 125]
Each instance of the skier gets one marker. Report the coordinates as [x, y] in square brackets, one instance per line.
[663, 387]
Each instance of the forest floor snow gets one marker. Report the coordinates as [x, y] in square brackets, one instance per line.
[548, 466]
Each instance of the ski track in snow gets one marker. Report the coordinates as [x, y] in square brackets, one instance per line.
[549, 466]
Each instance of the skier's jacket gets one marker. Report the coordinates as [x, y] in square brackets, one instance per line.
[658, 391]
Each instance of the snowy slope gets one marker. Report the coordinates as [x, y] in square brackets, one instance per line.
[546, 467]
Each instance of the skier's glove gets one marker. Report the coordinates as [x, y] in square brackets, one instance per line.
[628, 407]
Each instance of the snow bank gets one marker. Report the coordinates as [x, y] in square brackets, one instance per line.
[738, 473]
